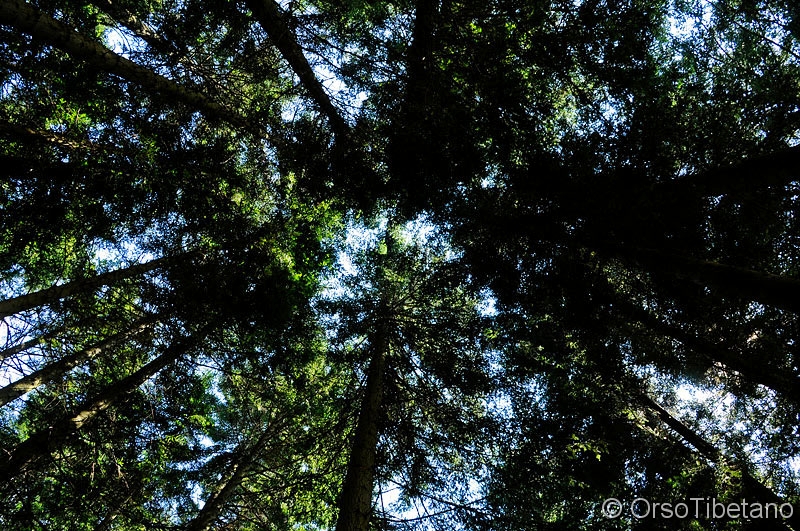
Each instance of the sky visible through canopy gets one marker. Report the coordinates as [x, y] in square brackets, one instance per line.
[398, 265]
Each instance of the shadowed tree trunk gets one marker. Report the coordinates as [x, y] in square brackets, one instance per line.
[112, 515]
[46, 336]
[413, 153]
[774, 169]
[766, 288]
[28, 19]
[19, 458]
[11, 351]
[135, 25]
[244, 458]
[155, 40]
[272, 18]
[56, 293]
[709, 451]
[355, 502]
[26, 134]
[64, 365]
[786, 385]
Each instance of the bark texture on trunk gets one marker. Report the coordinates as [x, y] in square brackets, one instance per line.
[355, 502]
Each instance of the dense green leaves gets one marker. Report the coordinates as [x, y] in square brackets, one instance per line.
[397, 265]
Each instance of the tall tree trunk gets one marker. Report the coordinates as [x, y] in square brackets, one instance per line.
[46, 336]
[112, 515]
[709, 451]
[774, 290]
[155, 40]
[417, 142]
[56, 293]
[62, 366]
[140, 28]
[25, 167]
[419, 57]
[28, 19]
[786, 385]
[245, 457]
[420, 97]
[18, 459]
[274, 21]
[355, 501]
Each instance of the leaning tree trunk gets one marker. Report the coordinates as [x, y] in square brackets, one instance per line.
[156, 41]
[774, 290]
[355, 501]
[26, 134]
[18, 459]
[46, 336]
[244, 459]
[56, 293]
[111, 515]
[67, 363]
[16, 349]
[773, 169]
[786, 385]
[272, 18]
[710, 452]
[27, 19]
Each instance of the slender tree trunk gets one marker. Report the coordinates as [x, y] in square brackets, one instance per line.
[112, 515]
[155, 40]
[18, 459]
[243, 461]
[46, 336]
[786, 385]
[355, 502]
[24, 167]
[774, 290]
[274, 21]
[11, 351]
[64, 365]
[714, 455]
[56, 293]
[133, 23]
[707, 449]
[216, 502]
[28, 19]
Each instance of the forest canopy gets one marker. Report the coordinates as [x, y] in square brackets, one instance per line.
[399, 265]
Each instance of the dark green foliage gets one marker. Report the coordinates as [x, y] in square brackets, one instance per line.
[483, 264]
